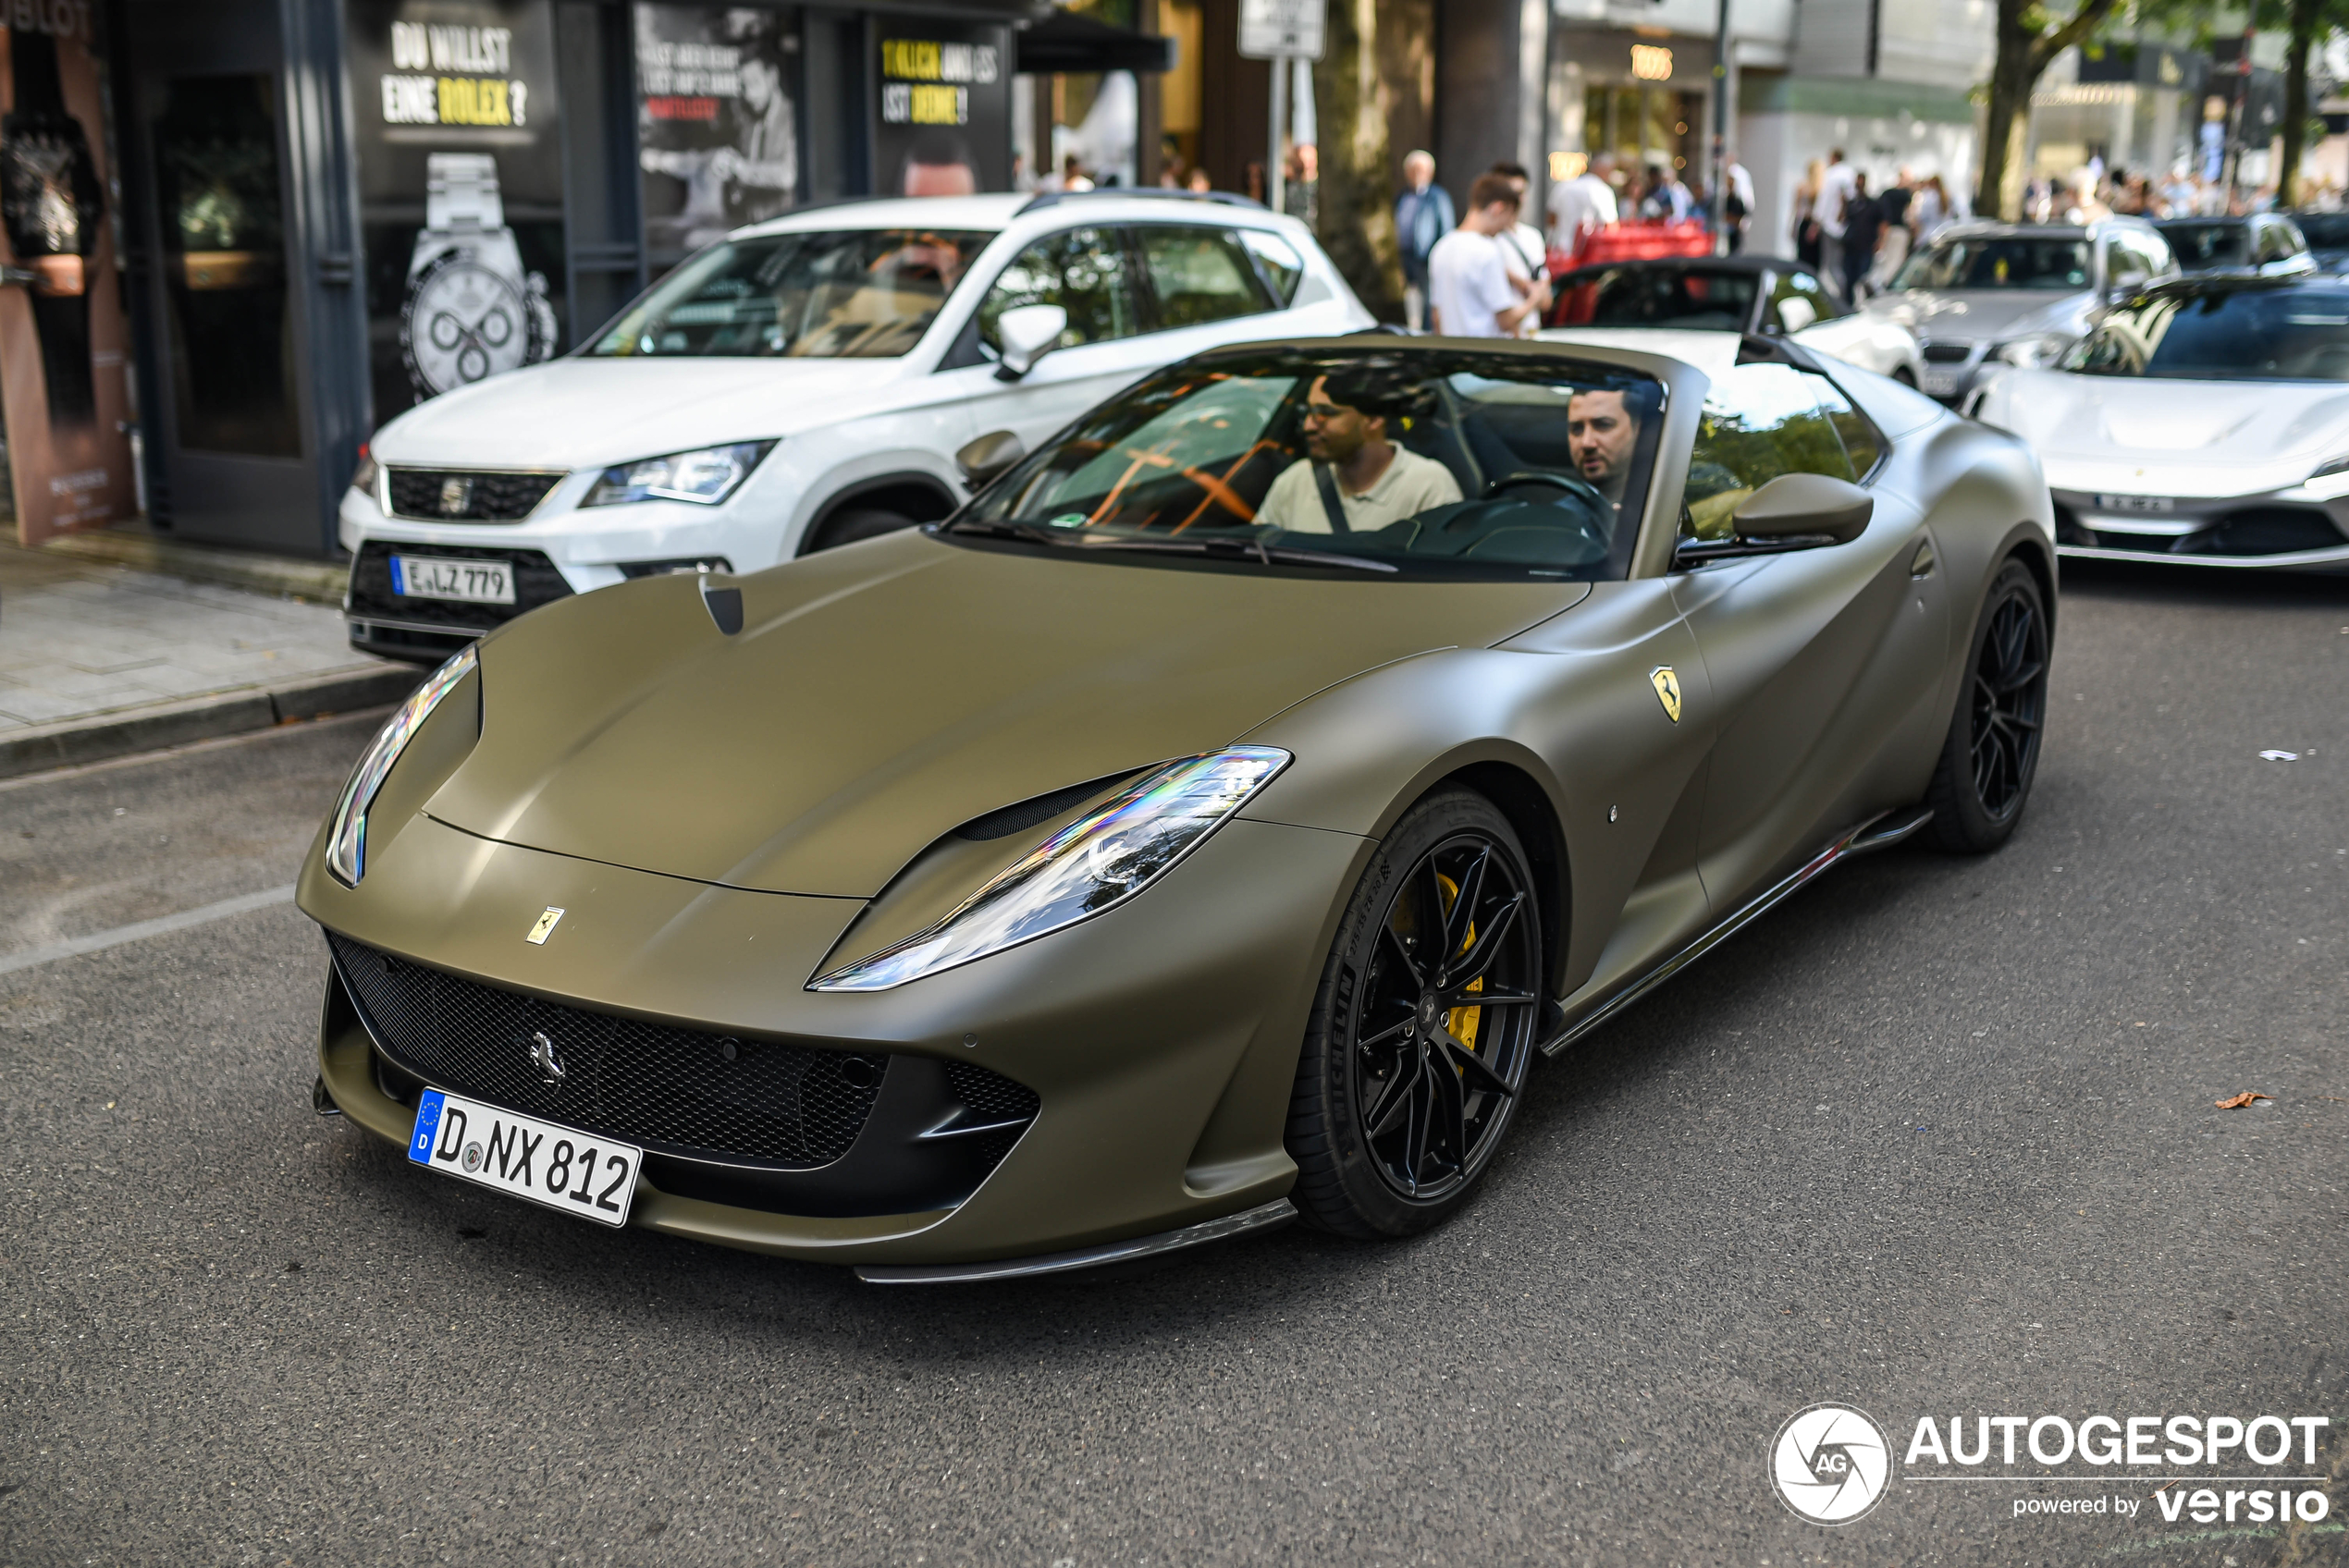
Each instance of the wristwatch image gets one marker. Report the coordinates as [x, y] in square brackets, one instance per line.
[472, 311]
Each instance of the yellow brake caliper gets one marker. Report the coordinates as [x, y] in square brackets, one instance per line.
[1461, 1021]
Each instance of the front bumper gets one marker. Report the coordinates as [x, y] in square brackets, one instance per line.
[2285, 530]
[1159, 1038]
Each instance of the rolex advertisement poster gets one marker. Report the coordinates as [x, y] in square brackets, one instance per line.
[459, 189]
[65, 387]
[717, 97]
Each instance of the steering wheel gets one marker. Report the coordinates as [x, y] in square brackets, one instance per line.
[1569, 485]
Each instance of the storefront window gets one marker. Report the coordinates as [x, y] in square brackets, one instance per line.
[216, 151]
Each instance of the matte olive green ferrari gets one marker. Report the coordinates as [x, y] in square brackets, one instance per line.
[1207, 825]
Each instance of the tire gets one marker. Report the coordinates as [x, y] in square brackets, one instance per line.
[1402, 1098]
[1983, 778]
[847, 527]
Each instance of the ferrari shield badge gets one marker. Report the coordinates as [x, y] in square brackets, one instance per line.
[546, 924]
[1668, 692]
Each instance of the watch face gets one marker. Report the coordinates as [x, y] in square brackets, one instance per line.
[465, 321]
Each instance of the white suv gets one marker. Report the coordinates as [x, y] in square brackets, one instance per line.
[802, 384]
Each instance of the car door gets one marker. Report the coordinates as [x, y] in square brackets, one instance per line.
[1204, 288]
[1825, 663]
[1088, 273]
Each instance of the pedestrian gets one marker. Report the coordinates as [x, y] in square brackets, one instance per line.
[1807, 233]
[1863, 224]
[1835, 193]
[1422, 215]
[1928, 209]
[1892, 245]
[1073, 174]
[1736, 207]
[1581, 206]
[1469, 290]
[1522, 249]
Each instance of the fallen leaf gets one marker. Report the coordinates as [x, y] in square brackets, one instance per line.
[2239, 1101]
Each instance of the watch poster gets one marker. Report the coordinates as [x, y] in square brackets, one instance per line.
[64, 392]
[461, 190]
[718, 122]
[945, 120]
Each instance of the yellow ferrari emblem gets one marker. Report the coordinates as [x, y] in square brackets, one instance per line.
[1667, 691]
[544, 928]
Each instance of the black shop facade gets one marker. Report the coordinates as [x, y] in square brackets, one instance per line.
[333, 209]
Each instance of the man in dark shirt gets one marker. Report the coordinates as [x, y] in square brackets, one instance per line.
[1863, 226]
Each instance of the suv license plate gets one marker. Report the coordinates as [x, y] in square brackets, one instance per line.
[592, 1177]
[437, 577]
[2135, 504]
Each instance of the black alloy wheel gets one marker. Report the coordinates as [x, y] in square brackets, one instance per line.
[1992, 753]
[1425, 1026]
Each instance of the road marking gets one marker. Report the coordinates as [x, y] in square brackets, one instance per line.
[98, 940]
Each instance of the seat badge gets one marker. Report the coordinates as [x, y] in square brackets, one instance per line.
[546, 924]
[456, 495]
[1668, 692]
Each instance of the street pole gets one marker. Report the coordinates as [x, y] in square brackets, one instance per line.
[1274, 168]
[1721, 130]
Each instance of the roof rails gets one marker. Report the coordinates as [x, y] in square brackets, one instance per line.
[1044, 198]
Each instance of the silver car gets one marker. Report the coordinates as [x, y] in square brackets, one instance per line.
[1988, 294]
[2204, 421]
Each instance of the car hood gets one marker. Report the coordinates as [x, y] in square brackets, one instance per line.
[1971, 314]
[879, 696]
[585, 412]
[2179, 437]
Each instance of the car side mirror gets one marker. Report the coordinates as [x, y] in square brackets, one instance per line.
[2127, 283]
[1798, 505]
[1027, 333]
[990, 454]
[1796, 314]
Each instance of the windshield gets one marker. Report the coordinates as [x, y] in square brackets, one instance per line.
[852, 294]
[2003, 261]
[2232, 335]
[2201, 246]
[2324, 231]
[1678, 297]
[1397, 462]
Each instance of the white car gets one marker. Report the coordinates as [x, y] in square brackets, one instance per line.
[2204, 421]
[1766, 296]
[802, 384]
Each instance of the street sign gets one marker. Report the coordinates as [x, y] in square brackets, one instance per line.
[1283, 30]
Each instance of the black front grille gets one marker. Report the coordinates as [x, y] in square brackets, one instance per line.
[994, 1100]
[682, 1091]
[1948, 353]
[441, 494]
[537, 582]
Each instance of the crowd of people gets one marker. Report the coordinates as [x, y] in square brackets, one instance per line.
[1858, 237]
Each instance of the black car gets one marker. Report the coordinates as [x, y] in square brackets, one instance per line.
[2327, 237]
[2268, 243]
[1765, 296]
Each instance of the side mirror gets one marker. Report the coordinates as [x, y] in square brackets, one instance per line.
[1028, 333]
[990, 454]
[1796, 314]
[1796, 506]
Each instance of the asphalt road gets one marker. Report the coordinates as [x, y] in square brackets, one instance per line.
[1936, 1138]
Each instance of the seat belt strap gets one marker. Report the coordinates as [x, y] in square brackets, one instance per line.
[1325, 480]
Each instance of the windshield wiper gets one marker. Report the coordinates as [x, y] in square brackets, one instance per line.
[1032, 531]
[1233, 550]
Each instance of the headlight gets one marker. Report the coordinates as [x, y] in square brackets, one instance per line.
[347, 840]
[1100, 860]
[2330, 481]
[708, 476]
[2031, 354]
[362, 478]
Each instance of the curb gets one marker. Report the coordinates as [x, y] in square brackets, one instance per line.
[75, 741]
[322, 582]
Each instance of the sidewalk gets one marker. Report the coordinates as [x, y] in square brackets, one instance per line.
[99, 660]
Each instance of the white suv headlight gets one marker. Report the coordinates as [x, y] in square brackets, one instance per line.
[708, 476]
[347, 840]
[1100, 860]
[2033, 352]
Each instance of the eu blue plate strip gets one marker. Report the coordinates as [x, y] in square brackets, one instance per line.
[427, 1124]
[398, 577]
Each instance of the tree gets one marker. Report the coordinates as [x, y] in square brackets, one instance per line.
[2030, 37]
[1374, 97]
[2304, 24]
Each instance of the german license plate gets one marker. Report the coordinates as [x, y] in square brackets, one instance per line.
[1940, 380]
[437, 577]
[2135, 504]
[574, 1171]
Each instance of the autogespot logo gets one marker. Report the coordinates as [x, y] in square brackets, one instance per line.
[1831, 1463]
